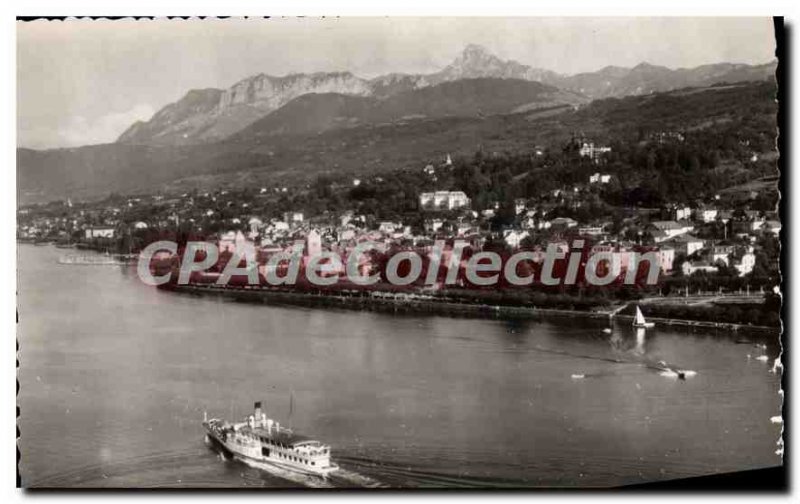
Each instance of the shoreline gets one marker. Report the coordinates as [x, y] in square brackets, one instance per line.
[388, 302]
[401, 305]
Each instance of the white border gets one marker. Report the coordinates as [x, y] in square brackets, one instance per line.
[313, 8]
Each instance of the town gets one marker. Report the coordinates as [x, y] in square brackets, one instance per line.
[726, 242]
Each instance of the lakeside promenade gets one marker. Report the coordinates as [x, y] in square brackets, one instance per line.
[412, 304]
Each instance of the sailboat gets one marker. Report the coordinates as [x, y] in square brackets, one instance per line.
[639, 321]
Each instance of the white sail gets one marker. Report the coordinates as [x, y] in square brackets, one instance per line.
[639, 321]
[639, 317]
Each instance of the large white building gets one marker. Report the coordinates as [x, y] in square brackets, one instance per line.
[706, 214]
[590, 150]
[99, 232]
[443, 200]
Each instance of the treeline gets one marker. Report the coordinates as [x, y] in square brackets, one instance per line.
[766, 314]
[694, 158]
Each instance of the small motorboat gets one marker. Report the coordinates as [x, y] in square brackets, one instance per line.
[639, 320]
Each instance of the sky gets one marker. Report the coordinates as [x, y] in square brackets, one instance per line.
[82, 82]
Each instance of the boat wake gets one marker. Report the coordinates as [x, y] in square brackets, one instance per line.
[347, 478]
[413, 475]
[663, 368]
[677, 373]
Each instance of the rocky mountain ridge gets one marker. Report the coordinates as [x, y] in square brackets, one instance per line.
[209, 115]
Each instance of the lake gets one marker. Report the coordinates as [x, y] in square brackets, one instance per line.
[115, 376]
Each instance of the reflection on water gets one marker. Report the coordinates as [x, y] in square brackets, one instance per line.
[640, 334]
[115, 377]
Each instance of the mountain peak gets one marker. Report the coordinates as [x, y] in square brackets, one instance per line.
[644, 66]
[475, 55]
[475, 50]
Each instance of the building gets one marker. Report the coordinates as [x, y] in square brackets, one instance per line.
[681, 212]
[748, 225]
[590, 230]
[313, 246]
[433, 225]
[706, 214]
[666, 256]
[588, 149]
[689, 267]
[563, 223]
[720, 253]
[772, 226]
[745, 263]
[663, 137]
[255, 225]
[293, 217]
[99, 232]
[600, 178]
[233, 241]
[685, 244]
[513, 238]
[443, 200]
[463, 228]
[666, 230]
[389, 227]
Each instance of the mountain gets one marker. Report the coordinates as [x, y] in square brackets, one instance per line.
[210, 115]
[213, 114]
[176, 118]
[314, 113]
[475, 61]
[646, 78]
[264, 155]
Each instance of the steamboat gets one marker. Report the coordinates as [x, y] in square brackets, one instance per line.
[262, 440]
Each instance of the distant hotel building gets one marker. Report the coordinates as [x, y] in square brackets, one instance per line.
[99, 232]
[588, 149]
[443, 200]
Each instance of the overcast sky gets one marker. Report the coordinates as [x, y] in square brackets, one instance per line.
[83, 82]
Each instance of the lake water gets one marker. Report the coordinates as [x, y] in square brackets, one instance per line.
[115, 376]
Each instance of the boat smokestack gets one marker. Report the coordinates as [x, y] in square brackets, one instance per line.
[257, 408]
